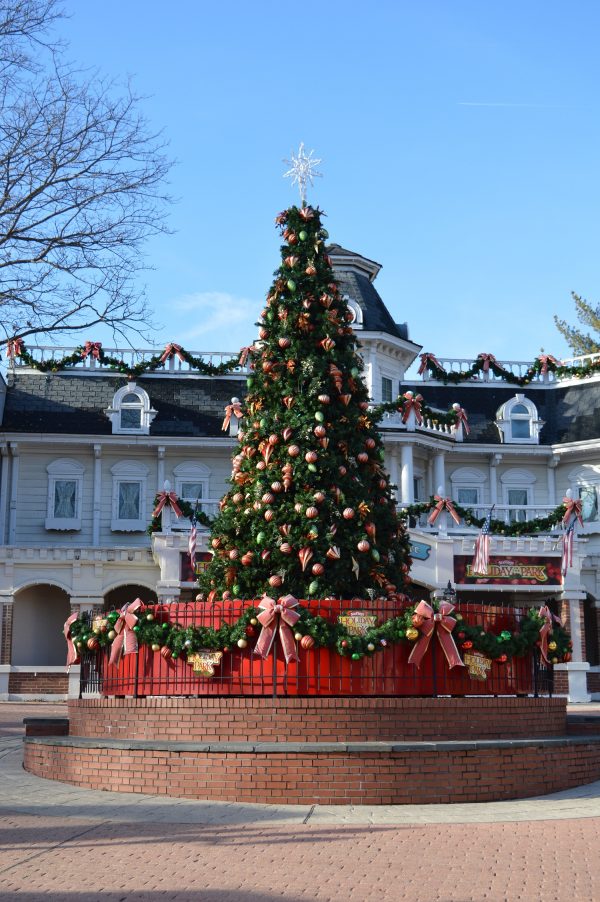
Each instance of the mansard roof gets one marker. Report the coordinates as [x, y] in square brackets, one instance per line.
[75, 404]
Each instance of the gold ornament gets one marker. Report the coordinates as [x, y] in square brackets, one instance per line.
[552, 646]
[412, 634]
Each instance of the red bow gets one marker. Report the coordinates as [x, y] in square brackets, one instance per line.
[439, 507]
[167, 498]
[14, 347]
[92, 347]
[439, 622]
[461, 417]
[487, 360]
[547, 360]
[126, 641]
[232, 410]
[573, 509]
[244, 354]
[276, 615]
[428, 362]
[170, 350]
[72, 653]
[412, 402]
[545, 630]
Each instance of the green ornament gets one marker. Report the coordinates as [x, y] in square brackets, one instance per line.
[236, 589]
[313, 588]
[136, 629]
[302, 235]
[324, 233]
[291, 285]
[505, 635]
[356, 656]
[355, 372]
[319, 416]
[375, 555]
[263, 423]
[260, 537]
[312, 468]
[165, 626]
[174, 655]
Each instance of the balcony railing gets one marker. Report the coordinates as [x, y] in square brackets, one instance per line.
[516, 367]
[507, 513]
[129, 357]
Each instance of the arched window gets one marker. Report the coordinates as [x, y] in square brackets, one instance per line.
[65, 489]
[584, 483]
[467, 487]
[356, 311]
[517, 494]
[518, 421]
[131, 411]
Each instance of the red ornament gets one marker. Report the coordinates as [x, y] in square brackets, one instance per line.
[268, 498]
[247, 558]
[310, 457]
[363, 545]
[275, 581]
[502, 659]
[320, 431]
[319, 497]
[293, 450]
[166, 652]
[250, 631]
[312, 512]
[324, 399]
[467, 645]
[92, 643]
[344, 643]
[348, 513]
[269, 514]
[284, 342]
[307, 642]
[276, 486]
[318, 569]
[363, 457]
[265, 555]
[342, 470]
[285, 548]
[287, 433]
[370, 443]
[273, 439]
[263, 333]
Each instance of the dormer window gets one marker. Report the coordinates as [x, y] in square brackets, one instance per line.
[518, 421]
[356, 312]
[131, 411]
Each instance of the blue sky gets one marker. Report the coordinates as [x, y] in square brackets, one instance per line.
[459, 143]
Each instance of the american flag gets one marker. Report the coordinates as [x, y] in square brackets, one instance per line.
[567, 548]
[193, 537]
[482, 547]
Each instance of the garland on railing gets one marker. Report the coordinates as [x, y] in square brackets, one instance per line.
[16, 348]
[186, 510]
[410, 402]
[310, 630]
[543, 364]
[497, 527]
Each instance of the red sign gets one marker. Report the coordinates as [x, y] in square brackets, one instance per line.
[186, 574]
[509, 571]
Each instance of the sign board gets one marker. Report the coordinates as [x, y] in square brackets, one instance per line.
[524, 570]
[186, 573]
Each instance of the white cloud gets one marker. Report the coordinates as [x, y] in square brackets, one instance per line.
[212, 320]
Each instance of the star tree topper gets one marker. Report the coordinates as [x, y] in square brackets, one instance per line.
[302, 170]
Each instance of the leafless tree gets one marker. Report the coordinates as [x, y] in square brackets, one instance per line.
[81, 187]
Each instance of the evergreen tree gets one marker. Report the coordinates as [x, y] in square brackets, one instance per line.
[582, 342]
[310, 510]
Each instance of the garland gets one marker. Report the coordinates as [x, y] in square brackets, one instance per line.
[155, 631]
[543, 364]
[16, 348]
[497, 527]
[404, 403]
[187, 511]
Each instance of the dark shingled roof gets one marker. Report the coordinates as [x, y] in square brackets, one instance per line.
[570, 414]
[67, 403]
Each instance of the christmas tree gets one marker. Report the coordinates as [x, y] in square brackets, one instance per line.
[310, 511]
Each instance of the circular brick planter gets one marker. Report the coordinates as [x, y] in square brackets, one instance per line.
[320, 750]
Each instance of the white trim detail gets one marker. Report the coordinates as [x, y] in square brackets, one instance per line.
[65, 469]
[120, 405]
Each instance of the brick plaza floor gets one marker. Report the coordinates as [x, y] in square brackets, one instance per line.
[64, 843]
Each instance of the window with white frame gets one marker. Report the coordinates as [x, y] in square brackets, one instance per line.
[419, 488]
[131, 411]
[356, 311]
[387, 389]
[518, 421]
[130, 480]
[467, 486]
[192, 484]
[517, 494]
[584, 483]
[65, 489]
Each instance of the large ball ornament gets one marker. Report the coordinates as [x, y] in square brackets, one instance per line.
[412, 634]
[291, 285]
[277, 487]
[155, 646]
[92, 643]
[293, 450]
[363, 545]
[285, 548]
[302, 235]
[284, 342]
[356, 656]
[242, 643]
[233, 554]
[312, 512]
[363, 457]
[370, 444]
[311, 457]
[324, 399]
[273, 439]
[216, 542]
[342, 470]
[319, 416]
[166, 652]
[260, 537]
[320, 431]
[312, 468]
[298, 507]
[319, 497]
[268, 498]
[275, 580]
[313, 588]
[348, 513]
[269, 514]
[261, 465]
[246, 558]
[263, 333]
[317, 569]
[238, 498]
[110, 635]
[149, 616]
[307, 642]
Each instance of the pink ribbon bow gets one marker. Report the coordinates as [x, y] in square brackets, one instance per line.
[169, 498]
[546, 629]
[427, 362]
[461, 417]
[126, 641]
[442, 503]
[487, 360]
[547, 360]
[244, 354]
[232, 410]
[441, 623]
[573, 510]
[92, 347]
[72, 653]
[275, 616]
[14, 347]
[170, 351]
[412, 402]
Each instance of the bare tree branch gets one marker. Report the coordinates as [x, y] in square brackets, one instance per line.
[81, 188]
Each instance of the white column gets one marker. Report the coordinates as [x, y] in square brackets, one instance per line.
[160, 469]
[577, 669]
[391, 457]
[14, 484]
[439, 472]
[551, 474]
[3, 491]
[407, 474]
[97, 498]
[494, 461]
